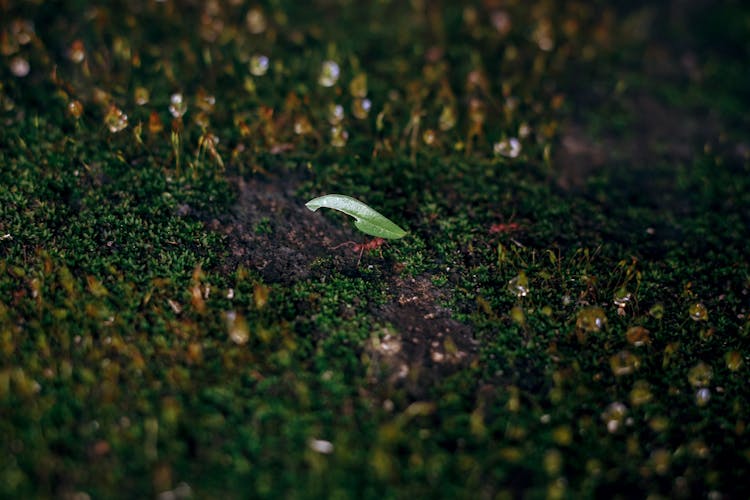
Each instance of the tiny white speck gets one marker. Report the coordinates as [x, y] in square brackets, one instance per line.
[321, 446]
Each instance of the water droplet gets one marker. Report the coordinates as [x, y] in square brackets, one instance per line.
[447, 119]
[624, 363]
[524, 130]
[638, 336]
[519, 286]
[20, 67]
[622, 297]
[256, 21]
[329, 74]
[698, 312]
[115, 119]
[177, 105]
[302, 126]
[702, 396]
[205, 101]
[77, 52]
[614, 416]
[75, 109]
[591, 319]
[339, 136]
[700, 375]
[510, 148]
[361, 108]
[358, 86]
[22, 30]
[141, 96]
[657, 311]
[429, 137]
[543, 35]
[501, 22]
[259, 65]
[321, 446]
[733, 360]
[641, 393]
[335, 114]
[237, 328]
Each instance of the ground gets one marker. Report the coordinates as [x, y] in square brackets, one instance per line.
[567, 316]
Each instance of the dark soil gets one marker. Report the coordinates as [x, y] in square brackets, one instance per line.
[272, 232]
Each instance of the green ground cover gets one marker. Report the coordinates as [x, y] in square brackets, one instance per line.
[566, 318]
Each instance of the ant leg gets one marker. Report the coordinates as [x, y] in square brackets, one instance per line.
[342, 244]
[361, 251]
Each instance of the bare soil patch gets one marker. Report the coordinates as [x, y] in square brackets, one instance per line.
[272, 232]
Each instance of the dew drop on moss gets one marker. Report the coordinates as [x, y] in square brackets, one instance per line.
[624, 363]
[256, 21]
[205, 101]
[501, 21]
[115, 119]
[698, 312]
[622, 298]
[591, 319]
[429, 137]
[335, 114]
[20, 67]
[77, 52]
[259, 65]
[702, 396]
[141, 96]
[237, 328]
[524, 130]
[657, 311]
[638, 336]
[302, 126]
[641, 393]
[177, 105]
[329, 74]
[75, 109]
[519, 285]
[361, 108]
[700, 375]
[509, 148]
[614, 416]
[339, 136]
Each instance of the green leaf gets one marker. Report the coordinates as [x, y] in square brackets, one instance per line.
[368, 220]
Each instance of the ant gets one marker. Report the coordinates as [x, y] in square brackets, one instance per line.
[368, 246]
[507, 227]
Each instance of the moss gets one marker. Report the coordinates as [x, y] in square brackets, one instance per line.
[144, 347]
